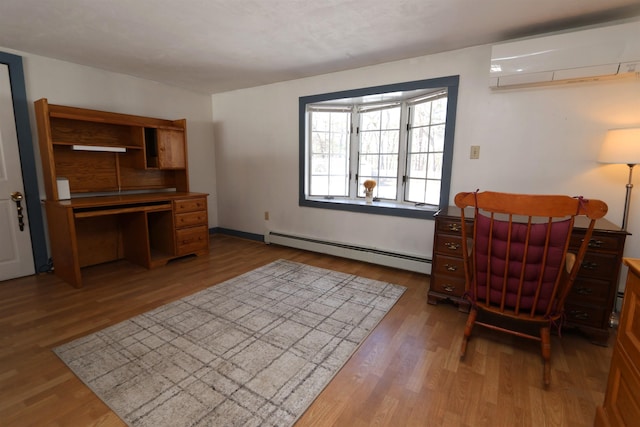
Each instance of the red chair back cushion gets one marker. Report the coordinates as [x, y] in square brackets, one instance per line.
[535, 263]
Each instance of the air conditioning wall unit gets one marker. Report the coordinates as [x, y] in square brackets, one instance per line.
[588, 54]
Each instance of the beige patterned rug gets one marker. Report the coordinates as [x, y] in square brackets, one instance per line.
[255, 350]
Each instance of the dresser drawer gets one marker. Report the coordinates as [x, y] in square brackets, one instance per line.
[190, 205]
[448, 244]
[599, 265]
[586, 315]
[190, 240]
[449, 285]
[190, 219]
[452, 226]
[598, 242]
[590, 291]
[449, 266]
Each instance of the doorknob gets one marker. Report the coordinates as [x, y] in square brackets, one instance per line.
[17, 197]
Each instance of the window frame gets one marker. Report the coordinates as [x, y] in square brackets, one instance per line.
[451, 83]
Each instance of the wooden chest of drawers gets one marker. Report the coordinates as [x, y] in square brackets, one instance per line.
[592, 299]
[192, 232]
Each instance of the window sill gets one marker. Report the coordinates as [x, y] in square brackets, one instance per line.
[382, 207]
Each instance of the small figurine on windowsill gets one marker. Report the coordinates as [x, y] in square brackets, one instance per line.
[369, 185]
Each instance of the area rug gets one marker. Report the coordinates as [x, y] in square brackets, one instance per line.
[255, 350]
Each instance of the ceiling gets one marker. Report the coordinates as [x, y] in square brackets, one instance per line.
[213, 46]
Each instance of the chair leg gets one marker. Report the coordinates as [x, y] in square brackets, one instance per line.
[471, 320]
[545, 335]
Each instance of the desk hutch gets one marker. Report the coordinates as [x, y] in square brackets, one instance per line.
[117, 187]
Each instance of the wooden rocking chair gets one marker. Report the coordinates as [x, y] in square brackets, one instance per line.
[519, 272]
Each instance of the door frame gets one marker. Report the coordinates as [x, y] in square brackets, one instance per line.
[27, 160]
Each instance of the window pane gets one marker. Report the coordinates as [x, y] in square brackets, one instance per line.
[389, 141]
[421, 114]
[439, 111]
[339, 122]
[387, 188]
[432, 195]
[390, 118]
[338, 165]
[369, 142]
[388, 165]
[419, 140]
[436, 142]
[320, 121]
[370, 121]
[368, 165]
[434, 171]
[337, 186]
[417, 166]
[319, 143]
[415, 190]
[319, 186]
[339, 143]
[319, 164]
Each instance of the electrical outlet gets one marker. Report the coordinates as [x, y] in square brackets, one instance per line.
[475, 152]
[266, 215]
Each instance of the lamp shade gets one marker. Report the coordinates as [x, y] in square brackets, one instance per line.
[621, 146]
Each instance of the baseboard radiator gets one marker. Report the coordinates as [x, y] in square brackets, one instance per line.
[360, 253]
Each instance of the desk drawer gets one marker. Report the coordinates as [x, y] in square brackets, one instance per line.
[452, 226]
[586, 315]
[448, 285]
[590, 291]
[597, 242]
[190, 240]
[449, 266]
[190, 205]
[599, 265]
[450, 245]
[191, 219]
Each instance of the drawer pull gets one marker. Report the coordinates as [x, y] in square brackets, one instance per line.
[590, 265]
[449, 288]
[455, 227]
[452, 245]
[577, 314]
[593, 243]
[450, 267]
[584, 291]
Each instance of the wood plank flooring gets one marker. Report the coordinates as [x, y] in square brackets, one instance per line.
[407, 373]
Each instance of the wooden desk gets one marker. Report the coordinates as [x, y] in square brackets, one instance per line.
[147, 229]
[145, 212]
[622, 400]
[592, 298]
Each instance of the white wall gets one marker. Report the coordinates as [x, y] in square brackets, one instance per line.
[74, 85]
[536, 140]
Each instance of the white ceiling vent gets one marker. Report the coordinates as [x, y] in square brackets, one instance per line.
[590, 54]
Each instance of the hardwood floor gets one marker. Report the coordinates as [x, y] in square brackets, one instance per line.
[407, 373]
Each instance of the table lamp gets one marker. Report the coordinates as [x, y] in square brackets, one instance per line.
[622, 146]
